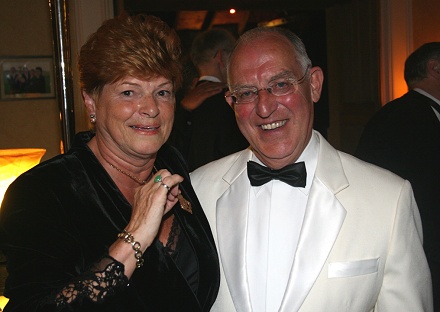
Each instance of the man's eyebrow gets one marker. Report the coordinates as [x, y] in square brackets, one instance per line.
[283, 74]
[241, 86]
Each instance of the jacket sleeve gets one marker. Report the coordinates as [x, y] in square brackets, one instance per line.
[407, 279]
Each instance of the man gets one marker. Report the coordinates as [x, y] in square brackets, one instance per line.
[404, 137]
[346, 237]
[205, 128]
[37, 83]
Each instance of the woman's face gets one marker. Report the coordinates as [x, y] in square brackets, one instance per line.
[134, 116]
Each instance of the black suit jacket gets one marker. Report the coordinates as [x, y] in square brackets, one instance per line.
[59, 218]
[207, 133]
[404, 137]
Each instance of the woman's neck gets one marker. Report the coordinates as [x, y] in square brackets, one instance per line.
[127, 173]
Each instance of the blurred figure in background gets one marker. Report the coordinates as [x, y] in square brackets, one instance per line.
[205, 128]
[404, 137]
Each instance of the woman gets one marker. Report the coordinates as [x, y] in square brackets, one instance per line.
[114, 224]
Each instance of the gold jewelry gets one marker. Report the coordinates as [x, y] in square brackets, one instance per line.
[184, 203]
[141, 182]
[129, 239]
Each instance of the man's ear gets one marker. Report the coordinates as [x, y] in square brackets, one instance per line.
[229, 99]
[221, 57]
[316, 81]
[89, 102]
[433, 68]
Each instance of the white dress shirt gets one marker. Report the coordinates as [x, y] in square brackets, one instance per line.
[276, 212]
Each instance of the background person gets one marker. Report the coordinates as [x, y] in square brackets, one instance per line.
[37, 83]
[404, 137]
[330, 233]
[205, 128]
[113, 224]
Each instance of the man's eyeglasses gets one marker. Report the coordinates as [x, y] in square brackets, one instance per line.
[278, 87]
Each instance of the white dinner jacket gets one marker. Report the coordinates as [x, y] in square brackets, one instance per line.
[360, 247]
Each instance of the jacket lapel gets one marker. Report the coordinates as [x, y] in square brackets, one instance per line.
[322, 222]
[196, 228]
[232, 214]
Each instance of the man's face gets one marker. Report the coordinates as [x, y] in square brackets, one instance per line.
[277, 127]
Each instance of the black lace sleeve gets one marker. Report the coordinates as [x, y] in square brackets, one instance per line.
[100, 282]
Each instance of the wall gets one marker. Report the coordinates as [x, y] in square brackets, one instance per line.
[353, 70]
[85, 18]
[27, 31]
[395, 45]
[425, 21]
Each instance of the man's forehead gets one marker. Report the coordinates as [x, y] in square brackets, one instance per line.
[264, 73]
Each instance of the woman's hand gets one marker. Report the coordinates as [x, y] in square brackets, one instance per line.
[151, 202]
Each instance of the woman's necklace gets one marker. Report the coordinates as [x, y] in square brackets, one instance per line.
[184, 203]
[141, 182]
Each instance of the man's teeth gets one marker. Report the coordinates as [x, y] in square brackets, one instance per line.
[273, 125]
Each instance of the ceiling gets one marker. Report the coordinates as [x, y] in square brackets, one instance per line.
[204, 14]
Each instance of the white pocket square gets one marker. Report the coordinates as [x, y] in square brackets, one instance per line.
[352, 268]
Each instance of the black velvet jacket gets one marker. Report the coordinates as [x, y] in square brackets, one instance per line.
[59, 218]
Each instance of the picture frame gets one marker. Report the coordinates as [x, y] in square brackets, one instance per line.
[26, 77]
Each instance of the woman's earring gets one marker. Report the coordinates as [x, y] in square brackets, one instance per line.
[92, 118]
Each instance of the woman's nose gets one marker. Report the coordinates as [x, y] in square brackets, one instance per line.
[148, 106]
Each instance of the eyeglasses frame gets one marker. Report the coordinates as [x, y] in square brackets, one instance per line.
[268, 89]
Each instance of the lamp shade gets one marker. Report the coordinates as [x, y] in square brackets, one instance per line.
[14, 162]
[3, 302]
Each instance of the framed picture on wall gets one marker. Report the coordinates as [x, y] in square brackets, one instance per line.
[26, 77]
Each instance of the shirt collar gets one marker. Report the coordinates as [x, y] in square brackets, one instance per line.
[209, 78]
[427, 95]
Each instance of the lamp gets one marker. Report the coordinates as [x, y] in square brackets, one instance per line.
[3, 302]
[14, 162]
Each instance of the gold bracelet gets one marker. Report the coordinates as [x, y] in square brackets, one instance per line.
[128, 238]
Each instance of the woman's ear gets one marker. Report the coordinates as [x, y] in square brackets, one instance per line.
[316, 81]
[89, 102]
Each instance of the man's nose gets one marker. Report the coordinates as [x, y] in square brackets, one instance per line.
[266, 103]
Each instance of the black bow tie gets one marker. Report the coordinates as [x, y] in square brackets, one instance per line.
[294, 174]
